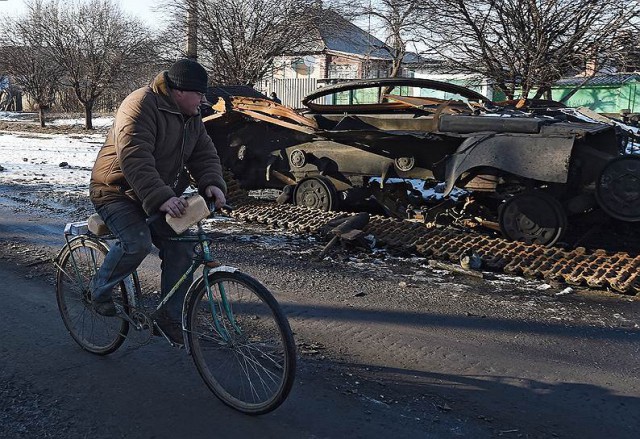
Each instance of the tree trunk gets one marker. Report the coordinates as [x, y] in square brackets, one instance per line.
[88, 108]
[396, 66]
[41, 115]
[540, 92]
[5, 97]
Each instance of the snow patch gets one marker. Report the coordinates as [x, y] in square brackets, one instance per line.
[62, 161]
[435, 193]
[13, 116]
[98, 122]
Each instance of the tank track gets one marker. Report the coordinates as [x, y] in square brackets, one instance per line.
[598, 269]
[618, 271]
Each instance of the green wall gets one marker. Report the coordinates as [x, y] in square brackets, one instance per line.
[608, 99]
[599, 98]
[603, 99]
[365, 95]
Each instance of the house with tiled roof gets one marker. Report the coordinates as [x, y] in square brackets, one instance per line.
[336, 50]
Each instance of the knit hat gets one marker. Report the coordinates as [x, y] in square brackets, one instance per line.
[186, 74]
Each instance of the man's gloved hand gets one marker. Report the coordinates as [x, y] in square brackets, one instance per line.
[214, 192]
[174, 206]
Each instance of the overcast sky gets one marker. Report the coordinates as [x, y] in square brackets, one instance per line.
[143, 9]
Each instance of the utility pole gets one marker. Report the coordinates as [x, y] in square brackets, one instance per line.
[192, 29]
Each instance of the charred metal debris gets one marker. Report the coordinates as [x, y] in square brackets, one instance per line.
[440, 155]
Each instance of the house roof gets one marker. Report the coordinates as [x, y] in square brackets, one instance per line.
[413, 58]
[336, 34]
[340, 35]
[607, 79]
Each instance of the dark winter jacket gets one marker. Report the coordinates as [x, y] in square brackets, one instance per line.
[147, 149]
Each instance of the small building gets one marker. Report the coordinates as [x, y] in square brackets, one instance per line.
[476, 83]
[609, 94]
[606, 93]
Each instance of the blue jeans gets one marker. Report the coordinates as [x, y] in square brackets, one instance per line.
[126, 220]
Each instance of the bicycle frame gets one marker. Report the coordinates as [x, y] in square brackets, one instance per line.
[79, 231]
[209, 265]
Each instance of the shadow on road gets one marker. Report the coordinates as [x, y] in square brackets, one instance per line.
[565, 410]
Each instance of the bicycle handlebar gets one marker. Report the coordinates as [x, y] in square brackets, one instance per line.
[156, 216]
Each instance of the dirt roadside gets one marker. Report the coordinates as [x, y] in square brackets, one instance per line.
[451, 356]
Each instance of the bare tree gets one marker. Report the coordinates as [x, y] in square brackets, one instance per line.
[239, 39]
[627, 45]
[401, 22]
[24, 57]
[525, 45]
[96, 44]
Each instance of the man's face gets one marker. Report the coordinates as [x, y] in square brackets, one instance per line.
[188, 101]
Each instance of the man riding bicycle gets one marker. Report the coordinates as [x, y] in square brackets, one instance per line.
[156, 141]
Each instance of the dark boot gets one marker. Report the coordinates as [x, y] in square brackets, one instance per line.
[105, 308]
[171, 328]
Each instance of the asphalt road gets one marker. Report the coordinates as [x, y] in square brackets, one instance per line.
[386, 346]
[51, 388]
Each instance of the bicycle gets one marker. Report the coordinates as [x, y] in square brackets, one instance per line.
[233, 327]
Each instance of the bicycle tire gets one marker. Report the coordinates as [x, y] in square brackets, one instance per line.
[252, 369]
[97, 334]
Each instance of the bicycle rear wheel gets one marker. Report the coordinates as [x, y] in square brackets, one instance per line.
[77, 264]
[241, 342]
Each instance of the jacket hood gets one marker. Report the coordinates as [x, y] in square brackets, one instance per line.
[160, 87]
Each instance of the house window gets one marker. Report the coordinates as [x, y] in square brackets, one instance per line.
[343, 71]
[303, 66]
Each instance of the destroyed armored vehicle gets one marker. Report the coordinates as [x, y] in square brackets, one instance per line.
[524, 167]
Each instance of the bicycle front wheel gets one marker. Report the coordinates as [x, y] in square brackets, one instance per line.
[241, 342]
[77, 264]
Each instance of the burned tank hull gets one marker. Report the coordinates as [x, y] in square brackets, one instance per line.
[507, 159]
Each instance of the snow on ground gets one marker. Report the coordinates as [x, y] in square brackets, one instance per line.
[13, 116]
[39, 159]
[435, 193]
[98, 122]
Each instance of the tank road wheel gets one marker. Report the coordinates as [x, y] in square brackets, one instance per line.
[534, 217]
[317, 193]
[618, 188]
